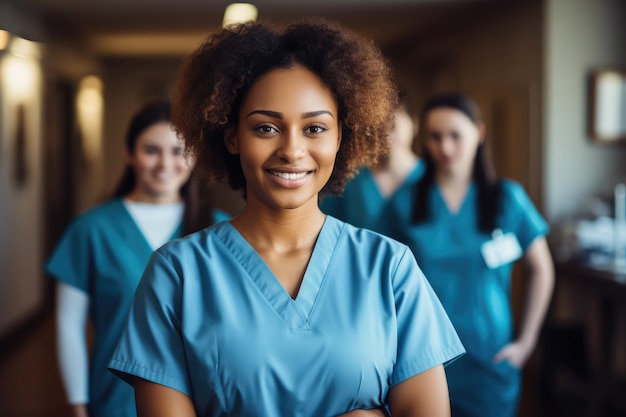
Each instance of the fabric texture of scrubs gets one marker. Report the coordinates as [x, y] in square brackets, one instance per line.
[477, 298]
[361, 202]
[211, 320]
[103, 253]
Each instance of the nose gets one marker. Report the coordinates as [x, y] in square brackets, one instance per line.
[447, 146]
[166, 160]
[292, 146]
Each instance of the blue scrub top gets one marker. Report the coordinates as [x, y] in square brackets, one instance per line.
[361, 202]
[211, 320]
[103, 253]
[477, 298]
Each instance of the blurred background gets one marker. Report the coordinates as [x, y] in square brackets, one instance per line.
[73, 71]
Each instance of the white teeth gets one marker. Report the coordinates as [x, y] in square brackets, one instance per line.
[289, 175]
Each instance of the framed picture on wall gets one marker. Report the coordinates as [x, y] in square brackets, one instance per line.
[20, 163]
[607, 115]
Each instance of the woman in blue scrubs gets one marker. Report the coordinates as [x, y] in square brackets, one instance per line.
[467, 228]
[365, 195]
[284, 311]
[100, 258]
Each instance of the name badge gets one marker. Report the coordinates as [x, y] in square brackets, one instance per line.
[502, 249]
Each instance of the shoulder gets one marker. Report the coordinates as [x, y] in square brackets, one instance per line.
[514, 193]
[510, 186]
[188, 242]
[404, 197]
[104, 213]
[370, 241]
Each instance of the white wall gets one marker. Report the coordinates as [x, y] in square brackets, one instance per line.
[580, 35]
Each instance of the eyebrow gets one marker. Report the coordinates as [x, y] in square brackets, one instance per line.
[278, 115]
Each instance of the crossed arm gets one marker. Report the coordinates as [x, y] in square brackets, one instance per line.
[423, 395]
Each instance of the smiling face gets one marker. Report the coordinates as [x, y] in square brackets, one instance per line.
[287, 138]
[159, 165]
[452, 139]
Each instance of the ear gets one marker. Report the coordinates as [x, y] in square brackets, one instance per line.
[482, 130]
[230, 140]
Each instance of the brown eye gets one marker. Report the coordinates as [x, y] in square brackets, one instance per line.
[315, 129]
[266, 129]
[151, 150]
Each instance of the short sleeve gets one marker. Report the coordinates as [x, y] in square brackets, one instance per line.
[151, 345]
[426, 337]
[522, 213]
[72, 259]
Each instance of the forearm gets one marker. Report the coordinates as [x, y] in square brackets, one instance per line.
[538, 296]
[71, 317]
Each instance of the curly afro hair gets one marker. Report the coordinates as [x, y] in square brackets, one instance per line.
[214, 81]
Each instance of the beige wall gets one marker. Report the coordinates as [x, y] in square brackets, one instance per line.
[23, 207]
[580, 35]
[21, 229]
[494, 56]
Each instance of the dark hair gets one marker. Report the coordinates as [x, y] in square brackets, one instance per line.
[198, 212]
[405, 103]
[215, 79]
[151, 113]
[487, 183]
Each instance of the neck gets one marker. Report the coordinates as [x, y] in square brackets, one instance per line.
[399, 162]
[280, 230]
[454, 179]
[137, 196]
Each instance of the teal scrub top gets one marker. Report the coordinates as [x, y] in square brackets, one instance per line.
[104, 253]
[477, 298]
[361, 202]
[211, 320]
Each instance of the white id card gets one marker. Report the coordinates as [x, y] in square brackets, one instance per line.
[501, 250]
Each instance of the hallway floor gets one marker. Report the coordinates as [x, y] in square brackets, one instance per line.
[30, 384]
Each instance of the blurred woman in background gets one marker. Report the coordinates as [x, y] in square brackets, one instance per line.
[467, 228]
[100, 258]
[365, 195]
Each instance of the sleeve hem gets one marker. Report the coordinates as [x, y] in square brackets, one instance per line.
[444, 357]
[127, 371]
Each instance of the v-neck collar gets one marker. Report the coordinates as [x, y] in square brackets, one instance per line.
[294, 312]
[468, 195]
[133, 231]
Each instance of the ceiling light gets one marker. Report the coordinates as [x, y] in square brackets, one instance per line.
[4, 39]
[239, 13]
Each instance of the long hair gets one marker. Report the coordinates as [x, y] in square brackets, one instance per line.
[487, 183]
[198, 212]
